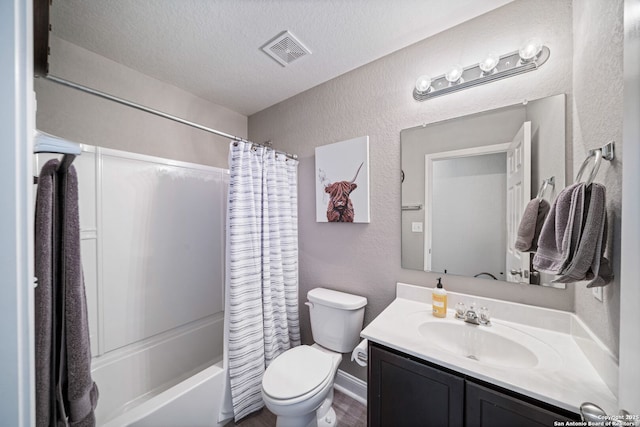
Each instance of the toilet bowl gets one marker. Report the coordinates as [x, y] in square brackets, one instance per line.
[298, 385]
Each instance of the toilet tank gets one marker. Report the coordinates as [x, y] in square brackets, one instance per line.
[336, 318]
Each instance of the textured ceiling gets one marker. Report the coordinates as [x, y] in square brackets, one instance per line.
[211, 48]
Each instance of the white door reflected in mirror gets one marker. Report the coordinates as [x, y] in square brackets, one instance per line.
[518, 195]
[466, 211]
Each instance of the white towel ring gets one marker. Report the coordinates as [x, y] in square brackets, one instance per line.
[605, 152]
[549, 181]
[594, 170]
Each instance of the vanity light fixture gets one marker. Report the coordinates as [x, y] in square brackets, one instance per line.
[454, 75]
[530, 50]
[489, 64]
[529, 57]
[423, 84]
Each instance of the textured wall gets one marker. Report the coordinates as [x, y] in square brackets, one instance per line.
[597, 118]
[84, 118]
[376, 100]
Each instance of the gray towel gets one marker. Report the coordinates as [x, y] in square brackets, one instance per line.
[558, 236]
[43, 294]
[81, 394]
[588, 262]
[65, 391]
[531, 224]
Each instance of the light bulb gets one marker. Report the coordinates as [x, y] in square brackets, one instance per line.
[489, 63]
[530, 49]
[423, 84]
[454, 74]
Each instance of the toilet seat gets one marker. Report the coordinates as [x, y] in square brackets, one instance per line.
[297, 372]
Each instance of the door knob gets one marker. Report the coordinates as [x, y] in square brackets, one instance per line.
[516, 272]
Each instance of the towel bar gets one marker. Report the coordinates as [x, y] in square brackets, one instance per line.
[411, 207]
[605, 152]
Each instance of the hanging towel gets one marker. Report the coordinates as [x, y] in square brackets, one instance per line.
[43, 295]
[65, 392]
[531, 224]
[558, 236]
[81, 394]
[588, 261]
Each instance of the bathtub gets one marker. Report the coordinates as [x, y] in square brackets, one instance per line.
[194, 402]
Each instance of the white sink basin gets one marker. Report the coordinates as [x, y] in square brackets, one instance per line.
[496, 345]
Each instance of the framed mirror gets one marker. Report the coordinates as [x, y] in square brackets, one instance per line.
[466, 182]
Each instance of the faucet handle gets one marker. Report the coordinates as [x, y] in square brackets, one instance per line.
[461, 310]
[484, 315]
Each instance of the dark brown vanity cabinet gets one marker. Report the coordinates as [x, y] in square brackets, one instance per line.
[403, 391]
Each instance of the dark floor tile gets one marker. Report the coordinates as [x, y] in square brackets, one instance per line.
[350, 413]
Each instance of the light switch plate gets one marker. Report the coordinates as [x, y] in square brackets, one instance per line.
[416, 227]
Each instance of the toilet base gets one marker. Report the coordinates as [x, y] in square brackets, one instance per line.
[324, 416]
[306, 420]
[328, 419]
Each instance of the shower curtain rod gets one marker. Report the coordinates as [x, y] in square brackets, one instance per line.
[156, 112]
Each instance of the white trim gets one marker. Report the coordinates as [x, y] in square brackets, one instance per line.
[428, 185]
[99, 251]
[109, 152]
[628, 391]
[16, 216]
[123, 353]
[352, 386]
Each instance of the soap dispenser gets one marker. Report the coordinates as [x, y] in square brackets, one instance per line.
[439, 297]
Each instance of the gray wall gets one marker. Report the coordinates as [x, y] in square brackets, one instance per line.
[84, 118]
[597, 111]
[376, 100]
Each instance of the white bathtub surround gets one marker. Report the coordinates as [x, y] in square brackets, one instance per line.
[566, 380]
[193, 402]
[261, 318]
[154, 285]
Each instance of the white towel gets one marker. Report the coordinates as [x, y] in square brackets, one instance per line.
[359, 354]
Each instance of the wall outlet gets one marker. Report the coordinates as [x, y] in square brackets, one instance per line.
[416, 227]
[597, 293]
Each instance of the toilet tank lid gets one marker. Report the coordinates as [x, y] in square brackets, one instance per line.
[336, 299]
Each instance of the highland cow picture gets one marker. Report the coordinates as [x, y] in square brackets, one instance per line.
[342, 181]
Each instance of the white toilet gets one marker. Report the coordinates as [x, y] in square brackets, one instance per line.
[298, 385]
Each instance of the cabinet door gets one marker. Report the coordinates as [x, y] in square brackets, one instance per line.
[403, 392]
[490, 408]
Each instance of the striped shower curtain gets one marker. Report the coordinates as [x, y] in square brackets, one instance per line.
[261, 315]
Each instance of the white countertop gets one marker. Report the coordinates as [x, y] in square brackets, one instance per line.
[567, 382]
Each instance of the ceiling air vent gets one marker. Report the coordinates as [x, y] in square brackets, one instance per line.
[285, 49]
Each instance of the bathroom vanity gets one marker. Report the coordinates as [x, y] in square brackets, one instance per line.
[526, 368]
[403, 390]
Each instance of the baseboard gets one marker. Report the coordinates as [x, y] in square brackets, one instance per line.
[351, 386]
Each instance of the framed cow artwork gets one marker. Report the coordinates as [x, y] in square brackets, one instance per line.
[342, 181]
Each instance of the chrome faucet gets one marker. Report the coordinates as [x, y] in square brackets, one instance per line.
[471, 317]
[481, 317]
